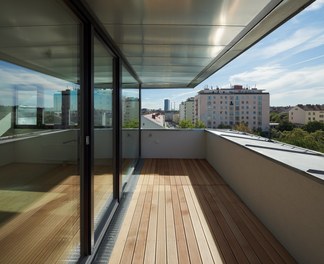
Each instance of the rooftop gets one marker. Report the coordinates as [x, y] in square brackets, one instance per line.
[309, 107]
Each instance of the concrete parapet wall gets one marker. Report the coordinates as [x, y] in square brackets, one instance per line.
[172, 143]
[288, 202]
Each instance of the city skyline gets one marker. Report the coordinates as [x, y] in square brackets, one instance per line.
[288, 63]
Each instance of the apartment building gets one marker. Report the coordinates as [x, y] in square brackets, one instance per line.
[231, 106]
[186, 110]
[302, 114]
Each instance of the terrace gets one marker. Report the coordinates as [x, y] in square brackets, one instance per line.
[72, 76]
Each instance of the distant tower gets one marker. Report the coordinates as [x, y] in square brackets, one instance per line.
[166, 105]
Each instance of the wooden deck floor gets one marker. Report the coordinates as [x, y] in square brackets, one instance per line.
[183, 212]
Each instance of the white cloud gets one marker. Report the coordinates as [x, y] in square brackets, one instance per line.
[11, 76]
[318, 4]
[302, 39]
[258, 75]
[287, 87]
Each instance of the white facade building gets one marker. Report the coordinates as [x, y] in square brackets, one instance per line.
[187, 110]
[302, 114]
[231, 106]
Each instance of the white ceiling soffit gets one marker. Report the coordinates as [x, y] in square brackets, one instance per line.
[180, 43]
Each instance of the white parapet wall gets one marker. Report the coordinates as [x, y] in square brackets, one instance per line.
[173, 143]
[63, 146]
[288, 201]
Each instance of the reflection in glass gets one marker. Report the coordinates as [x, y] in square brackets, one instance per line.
[39, 175]
[130, 124]
[103, 144]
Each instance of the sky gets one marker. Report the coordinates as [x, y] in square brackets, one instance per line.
[288, 63]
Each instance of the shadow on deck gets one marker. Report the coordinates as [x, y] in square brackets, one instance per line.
[183, 212]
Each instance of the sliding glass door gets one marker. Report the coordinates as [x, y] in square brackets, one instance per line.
[39, 132]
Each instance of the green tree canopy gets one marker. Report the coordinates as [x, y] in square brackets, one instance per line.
[313, 126]
[189, 124]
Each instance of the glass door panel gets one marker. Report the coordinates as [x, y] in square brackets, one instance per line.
[130, 124]
[39, 162]
[103, 132]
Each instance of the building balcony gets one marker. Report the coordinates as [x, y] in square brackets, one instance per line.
[258, 200]
[234, 198]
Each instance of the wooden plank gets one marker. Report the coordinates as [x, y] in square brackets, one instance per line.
[203, 223]
[134, 226]
[190, 234]
[182, 171]
[198, 174]
[209, 237]
[212, 176]
[205, 253]
[246, 248]
[139, 251]
[177, 177]
[183, 254]
[161, 228]
[122, 236]
[167, 173]
[172, 255]
[272, 246]
[238, 217]
[186, 179]
[145, 174]
[228, 233]
[222, 243]
[150, 247]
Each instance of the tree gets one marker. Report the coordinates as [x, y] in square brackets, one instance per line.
[185, 124]
[285, 126]
[199, 124]
[189, 124]
[304, 139]
[313, 126]
[242, 127]
[131, 124]
[222, 126]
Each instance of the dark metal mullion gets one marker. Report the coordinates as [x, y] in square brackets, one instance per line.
[117, 137]
[140, 122]
[85, 13]
[86, 155]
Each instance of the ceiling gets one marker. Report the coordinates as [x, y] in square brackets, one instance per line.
[180, 43]
[167, 43]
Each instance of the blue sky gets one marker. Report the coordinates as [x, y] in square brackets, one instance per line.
[288, 63]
